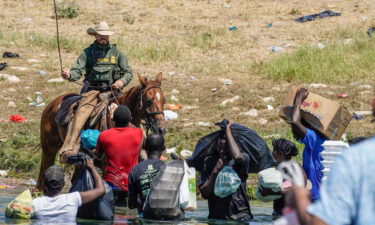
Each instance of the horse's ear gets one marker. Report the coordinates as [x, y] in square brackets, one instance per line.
[159, 78]
[142, 80]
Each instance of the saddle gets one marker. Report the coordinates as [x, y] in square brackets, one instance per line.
[69, 106]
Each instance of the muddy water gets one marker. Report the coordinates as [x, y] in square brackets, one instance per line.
[262, 214]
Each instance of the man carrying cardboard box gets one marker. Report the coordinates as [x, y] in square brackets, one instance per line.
[313, 140]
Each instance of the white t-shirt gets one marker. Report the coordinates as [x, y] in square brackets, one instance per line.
[62, 208]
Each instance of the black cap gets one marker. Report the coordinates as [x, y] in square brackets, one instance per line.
[53, 180]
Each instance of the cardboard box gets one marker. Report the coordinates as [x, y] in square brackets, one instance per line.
[324, 115]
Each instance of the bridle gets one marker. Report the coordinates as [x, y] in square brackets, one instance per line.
[150, 123]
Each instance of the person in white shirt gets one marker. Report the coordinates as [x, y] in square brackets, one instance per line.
[58, 207]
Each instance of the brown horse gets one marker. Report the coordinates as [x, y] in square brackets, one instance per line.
[145, 101]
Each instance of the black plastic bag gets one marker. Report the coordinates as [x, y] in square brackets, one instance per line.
[99, 209]
[247, 140]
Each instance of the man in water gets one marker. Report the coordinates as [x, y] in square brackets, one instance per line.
[55, 207]
[235, 206]
[347, 196]
[143, 174]
[120, 146]
[312, 160]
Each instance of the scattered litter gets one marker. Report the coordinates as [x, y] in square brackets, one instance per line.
[41, 54]
[56, 80]
[10, 78]
[33, 60]
[10, 55]
[233, 28]
[171, 73]
[42, 72]
[31, 182]
[203, 124]
[170, 115]
[5, 186]
[26, 20]
[318, 85]
[186, 153]
[226, 5]
[17, 118]
[262, 121]
[188, 107]
[251, 112]
[193, 78]
[3, 65]
[188, 124]
[39, 100]
[354, 83]
[342, 95]
[321, 45]
[11, 104]
[28, 98]
[174, 99]
[213, 89]
[325, 14]
[365, 86]
[171, 150]
[175, 91]
[173, 107]
[275, 49]
[363, 113]
[235, 108]
[268, 99]
[20, 68]
[364, 18]
[269, 25]
[289, 45]
[370, 31]
[276, 89]
[270, 107]
[4, 173]
[355, 116]
[231, 100]
[225, 81]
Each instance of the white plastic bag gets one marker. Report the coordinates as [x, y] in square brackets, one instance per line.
[188, 192]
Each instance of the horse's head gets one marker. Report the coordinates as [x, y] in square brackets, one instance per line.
[152, 103]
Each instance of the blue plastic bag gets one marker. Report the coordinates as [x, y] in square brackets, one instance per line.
[227, 182]
[89, 138]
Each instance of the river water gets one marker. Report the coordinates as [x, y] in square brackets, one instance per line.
[262, 214]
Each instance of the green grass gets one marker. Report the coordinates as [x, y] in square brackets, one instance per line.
[337, 63]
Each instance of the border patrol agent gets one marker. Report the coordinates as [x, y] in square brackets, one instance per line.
[104, 67]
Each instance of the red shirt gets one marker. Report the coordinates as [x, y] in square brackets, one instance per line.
[121, 146]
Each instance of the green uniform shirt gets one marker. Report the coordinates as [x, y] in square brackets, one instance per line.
[97, 53]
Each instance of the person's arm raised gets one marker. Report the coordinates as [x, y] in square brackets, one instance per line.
[233, 147]
[298, 129]
[99, 190]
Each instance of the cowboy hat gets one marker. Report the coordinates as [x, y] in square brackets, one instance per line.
[102, 29]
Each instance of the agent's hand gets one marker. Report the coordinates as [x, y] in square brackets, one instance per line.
[302, 94]
[65, 74]
[118, 84]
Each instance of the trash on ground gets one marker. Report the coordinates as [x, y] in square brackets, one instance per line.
[39, 100]
[321, 45]
[262, 121]
[275, 49]
[170, 115]
[186, 153]
[174, 99]
[270, 107]
[188, 107]
[20, 68]
[235, 108]
[31, 182]
[370, 31]
[203, 124]
[231, 100]
[188, 124]
[365, 86]
[26, 20]
[269, 25]
[10, 55]
[225, 81]
[268, 99]
[11, 104]
[171, 150]
[42, 72]
[171, 73]
[342, 95]
[325, 14]
[175, 91]
[251, 112]
[17, 118]
[233, 28]
[354, 83]
[10, 78]
[318, 85]
[193, 78]
[4, 173]
[276, 88]
[226, 5]
[213, 89]
[33, 60]
[356, 116]
[173, 107]
[3, 65]
[56, 80]
[363, 113]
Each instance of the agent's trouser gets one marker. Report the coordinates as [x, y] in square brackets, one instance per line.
[85, 108]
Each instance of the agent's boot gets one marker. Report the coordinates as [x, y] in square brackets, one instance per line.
[85, 108]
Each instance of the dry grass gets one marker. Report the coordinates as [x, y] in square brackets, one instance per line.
[190, 38]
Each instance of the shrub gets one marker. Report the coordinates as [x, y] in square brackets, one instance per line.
[68, 9]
